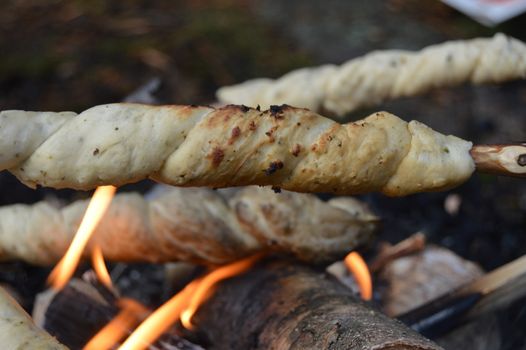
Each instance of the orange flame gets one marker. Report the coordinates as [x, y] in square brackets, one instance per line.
[97, 207]
[358, 268]
[183, 305]
[159, 321]
[130, 315]
[97, 261]
[204, 288]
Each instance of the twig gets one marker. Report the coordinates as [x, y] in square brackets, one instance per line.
[505, 159]
[491, 292]
[388, 252]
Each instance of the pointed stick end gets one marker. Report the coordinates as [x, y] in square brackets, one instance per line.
[505, 159]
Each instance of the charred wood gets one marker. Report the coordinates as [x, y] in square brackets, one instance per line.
[283, 306]
[75, 314]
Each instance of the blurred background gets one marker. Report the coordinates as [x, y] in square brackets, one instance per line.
[71, 55]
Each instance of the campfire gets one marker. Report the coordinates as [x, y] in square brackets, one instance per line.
[252, 267]
[134, 327]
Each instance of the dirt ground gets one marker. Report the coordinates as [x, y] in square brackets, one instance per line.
[71, 55]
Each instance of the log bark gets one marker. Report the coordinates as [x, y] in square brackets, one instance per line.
[283, 306]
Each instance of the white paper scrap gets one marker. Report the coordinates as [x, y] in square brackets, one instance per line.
[489, 12]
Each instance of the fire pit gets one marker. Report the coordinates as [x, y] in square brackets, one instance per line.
[251, 267]
[271, 304]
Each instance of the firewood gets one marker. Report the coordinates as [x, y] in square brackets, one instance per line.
[76, 313]
[387, 252]
[279, 305]
[283, 147]
[492, 291]
[193, 224]
[385, 75]
[17, 330]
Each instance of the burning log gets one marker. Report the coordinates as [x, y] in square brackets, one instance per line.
[385, 75]
[196, 225]
[280, 306]
[17, 330]
[283, 147]
[275, 305]
[82, 309]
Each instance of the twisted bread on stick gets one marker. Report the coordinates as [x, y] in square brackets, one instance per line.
[385, 75]
[197, 225]
[287, 147]
[17, 330]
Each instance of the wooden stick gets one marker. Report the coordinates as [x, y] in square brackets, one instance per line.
[501, 159]
[493, 291]
[282, 305]
[387, 253]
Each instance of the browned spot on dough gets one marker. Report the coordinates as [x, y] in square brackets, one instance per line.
[224, 114]
[234, 135]
[328, 136]
[273, 167]
[296, 150]
[271, 131]
[236, 131]
[217, 156]
[276, 189]
[277, 111]
[234, 108]
[252, 125]
[244, 108]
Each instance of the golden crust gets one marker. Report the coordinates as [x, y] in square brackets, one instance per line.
[285, 147]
